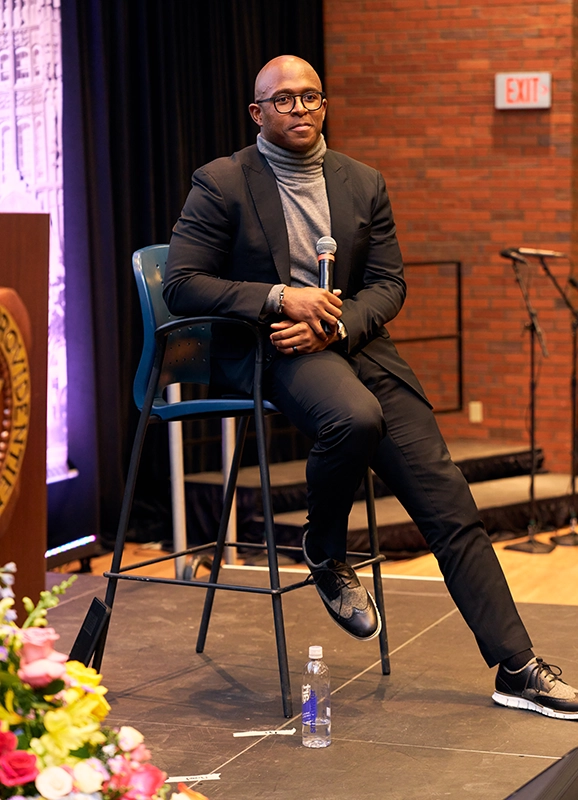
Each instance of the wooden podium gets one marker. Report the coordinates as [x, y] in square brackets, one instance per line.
[24, 258]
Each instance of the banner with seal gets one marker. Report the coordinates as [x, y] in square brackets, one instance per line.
[14, 397]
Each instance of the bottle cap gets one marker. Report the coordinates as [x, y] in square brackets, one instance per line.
[315, 651]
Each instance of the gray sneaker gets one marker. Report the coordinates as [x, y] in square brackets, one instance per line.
[348, 603]
[536, 687]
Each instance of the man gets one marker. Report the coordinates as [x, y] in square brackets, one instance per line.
[245, 246]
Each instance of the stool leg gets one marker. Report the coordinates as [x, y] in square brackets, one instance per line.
[122, 529]
[376, 568]
[273, 563]
[222, 534]
[128, 495]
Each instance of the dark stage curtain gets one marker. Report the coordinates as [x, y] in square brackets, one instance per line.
[152, 90]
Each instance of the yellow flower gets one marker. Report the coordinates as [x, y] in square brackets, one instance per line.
[8, 716]
[5, 605]
[68, 729]
[83, 676]
[102, 707]
[84, 708]
[72, 695]
[99, 706]
[43, 757]
[86, 682]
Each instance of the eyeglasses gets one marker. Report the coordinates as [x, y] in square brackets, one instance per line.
[285, 103]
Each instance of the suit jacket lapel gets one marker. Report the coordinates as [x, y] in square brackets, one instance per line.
[342, 215]
[263, 188]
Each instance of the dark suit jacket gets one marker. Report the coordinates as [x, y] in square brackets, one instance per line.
[230, 246]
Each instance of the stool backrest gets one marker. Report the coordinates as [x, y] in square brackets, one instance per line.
[187, 357]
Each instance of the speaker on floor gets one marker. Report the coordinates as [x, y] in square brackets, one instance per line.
[558, 782]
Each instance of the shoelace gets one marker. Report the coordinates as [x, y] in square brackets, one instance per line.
[550, 672]
[340, 581]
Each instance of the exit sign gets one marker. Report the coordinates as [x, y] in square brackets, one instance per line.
[523, 90]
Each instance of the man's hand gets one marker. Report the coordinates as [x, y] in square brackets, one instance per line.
[288, 335]
[311, 305]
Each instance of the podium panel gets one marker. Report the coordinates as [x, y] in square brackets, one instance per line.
[24, 263]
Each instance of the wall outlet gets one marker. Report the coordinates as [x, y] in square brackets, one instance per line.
[476, 411]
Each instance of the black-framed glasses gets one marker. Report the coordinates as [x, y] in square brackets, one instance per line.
[285, 103]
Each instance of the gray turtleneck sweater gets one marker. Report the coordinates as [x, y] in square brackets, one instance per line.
[303, 194]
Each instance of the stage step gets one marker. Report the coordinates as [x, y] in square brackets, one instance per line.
[484, 463]
[478, 460]
[504, 506]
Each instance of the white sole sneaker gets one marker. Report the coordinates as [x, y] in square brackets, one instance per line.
[510, 701]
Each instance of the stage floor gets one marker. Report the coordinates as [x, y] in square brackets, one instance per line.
[430, 729]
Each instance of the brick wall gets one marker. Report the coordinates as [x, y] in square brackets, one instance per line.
[411, 92]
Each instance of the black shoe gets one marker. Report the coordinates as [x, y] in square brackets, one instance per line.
[348, 603]
[536, 687]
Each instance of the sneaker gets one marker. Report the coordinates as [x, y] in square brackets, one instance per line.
[348, 603]
[536, 687]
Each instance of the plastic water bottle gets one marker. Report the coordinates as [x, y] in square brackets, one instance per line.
[316, 701]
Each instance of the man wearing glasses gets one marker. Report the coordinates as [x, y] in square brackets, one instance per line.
[244, 246]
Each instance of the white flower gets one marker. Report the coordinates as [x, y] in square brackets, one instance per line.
[54, 783]
[9, 567]
[129, 738]
[99, 767]
[109, 749]
[86, 779]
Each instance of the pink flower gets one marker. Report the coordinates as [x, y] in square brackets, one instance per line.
[17, 767]
[140, 754]
[146, 780]
[41, 672]
[40, 664]
[37, 646]
[118, 765]
[8, 741]
[138, 783]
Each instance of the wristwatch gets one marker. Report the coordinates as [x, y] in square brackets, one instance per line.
[341, 330]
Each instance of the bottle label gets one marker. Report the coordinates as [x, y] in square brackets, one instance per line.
[308, 706]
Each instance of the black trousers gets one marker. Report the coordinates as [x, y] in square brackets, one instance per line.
[358, 414]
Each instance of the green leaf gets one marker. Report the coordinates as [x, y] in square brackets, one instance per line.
[83, 752]
[9, 681]
[54, 687]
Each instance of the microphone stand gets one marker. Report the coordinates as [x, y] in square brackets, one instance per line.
[531, 545]
[569, 539]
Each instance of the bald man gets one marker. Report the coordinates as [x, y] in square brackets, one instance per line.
[244, 246]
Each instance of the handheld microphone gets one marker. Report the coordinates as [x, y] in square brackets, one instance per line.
[514, 255]
[529, 251]
[326, 247]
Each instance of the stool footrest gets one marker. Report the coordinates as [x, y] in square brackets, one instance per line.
[231, 587]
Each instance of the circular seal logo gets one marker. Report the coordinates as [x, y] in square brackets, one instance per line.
[14, 404]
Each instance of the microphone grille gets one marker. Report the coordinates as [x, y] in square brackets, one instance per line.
[326, 244]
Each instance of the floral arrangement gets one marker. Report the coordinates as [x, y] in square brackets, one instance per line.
[53, 745]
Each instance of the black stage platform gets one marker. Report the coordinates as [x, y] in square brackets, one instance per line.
[429, 730]
[498, 474]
